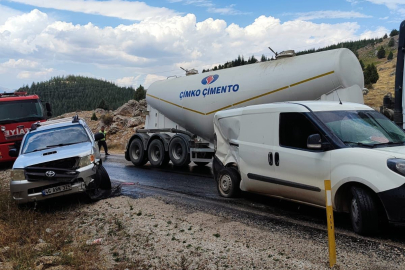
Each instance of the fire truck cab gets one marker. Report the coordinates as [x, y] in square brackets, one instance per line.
[18, 111]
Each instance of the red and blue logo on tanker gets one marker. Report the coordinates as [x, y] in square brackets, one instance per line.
[209, 79]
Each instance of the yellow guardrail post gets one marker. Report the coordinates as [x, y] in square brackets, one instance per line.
[331, 224]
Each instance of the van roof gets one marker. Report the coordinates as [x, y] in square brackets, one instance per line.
[294, 106]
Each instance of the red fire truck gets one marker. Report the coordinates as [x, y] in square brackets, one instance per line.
[18, 111]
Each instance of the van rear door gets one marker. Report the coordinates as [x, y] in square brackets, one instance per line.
[256, 163]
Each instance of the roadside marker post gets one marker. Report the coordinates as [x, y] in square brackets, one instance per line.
[331, 224]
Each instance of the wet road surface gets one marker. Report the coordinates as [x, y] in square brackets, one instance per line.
[193, 187]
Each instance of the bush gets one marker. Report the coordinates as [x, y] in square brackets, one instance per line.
[381, 53]
[361, 64]
[94, 117]
[107, 119]
[391, 43]
[390, 56]
[394, 32]
[370, 75]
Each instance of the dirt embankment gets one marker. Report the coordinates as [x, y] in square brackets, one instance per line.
[120, 124]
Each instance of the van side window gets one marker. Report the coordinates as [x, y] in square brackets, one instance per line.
[295, 129]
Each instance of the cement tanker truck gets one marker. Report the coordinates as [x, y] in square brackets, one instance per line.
[179, 122]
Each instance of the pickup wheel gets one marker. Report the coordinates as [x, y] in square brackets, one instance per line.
[156, 154]
[228, 183]
[137, 154]
[102, 178]
[363, 211]
[178, 152]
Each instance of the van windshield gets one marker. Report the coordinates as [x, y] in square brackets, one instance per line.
[363, 128]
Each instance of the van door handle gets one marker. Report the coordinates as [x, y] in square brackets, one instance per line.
[277, 157]
[270, 157]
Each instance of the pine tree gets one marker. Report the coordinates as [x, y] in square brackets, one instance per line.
[391, 43]
[103, 105]
[385, 36]
[394, 32]
[140, 93]
[390, 56]
[381, 53]
[263, 59]
[94, 117]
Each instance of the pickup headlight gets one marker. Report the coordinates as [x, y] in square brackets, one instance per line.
[397, 165]
[17, 175]
[85, 161]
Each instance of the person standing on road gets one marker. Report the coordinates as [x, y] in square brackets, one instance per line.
[102, 142]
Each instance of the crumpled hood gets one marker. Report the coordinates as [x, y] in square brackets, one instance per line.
[75, 150]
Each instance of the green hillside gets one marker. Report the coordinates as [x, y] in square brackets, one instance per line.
[76, 93]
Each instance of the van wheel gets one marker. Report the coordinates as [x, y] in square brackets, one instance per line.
[178, 152]
[228, 183]
[200, 164]
[137, 154]
[156, 154]
[363, 211]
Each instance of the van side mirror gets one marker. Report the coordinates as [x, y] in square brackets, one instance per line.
[314, 141]
[98, 136]
[13, 152]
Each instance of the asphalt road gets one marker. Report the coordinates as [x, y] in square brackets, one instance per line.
[193, 187]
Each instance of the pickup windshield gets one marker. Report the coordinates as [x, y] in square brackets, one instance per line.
[56, 137]
[363, 128]
[20, 111]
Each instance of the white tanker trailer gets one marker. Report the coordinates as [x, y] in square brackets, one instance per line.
[179, 122]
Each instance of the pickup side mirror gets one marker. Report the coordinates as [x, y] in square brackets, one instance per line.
[98, 136]
[13, 152]
[314, 141]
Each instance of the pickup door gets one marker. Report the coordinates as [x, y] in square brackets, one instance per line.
[301, 171]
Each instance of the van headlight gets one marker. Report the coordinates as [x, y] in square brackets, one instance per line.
[17, 175]
[85, 161]
[397, 165]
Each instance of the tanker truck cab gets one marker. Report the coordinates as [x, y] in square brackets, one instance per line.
[288, 149]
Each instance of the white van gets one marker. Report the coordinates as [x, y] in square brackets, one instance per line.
[288, 149]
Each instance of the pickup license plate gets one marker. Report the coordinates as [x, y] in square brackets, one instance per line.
[57, 189]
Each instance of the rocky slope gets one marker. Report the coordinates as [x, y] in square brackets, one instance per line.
[386, 71]
[120, 124]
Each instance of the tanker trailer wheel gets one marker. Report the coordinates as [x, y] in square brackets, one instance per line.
[137, 154]
[363, 211]
[228, 182]
[156, 154]
[178, 152]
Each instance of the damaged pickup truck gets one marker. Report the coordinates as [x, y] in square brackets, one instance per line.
[57, 158]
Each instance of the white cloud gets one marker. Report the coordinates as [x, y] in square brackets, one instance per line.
[6, 12]
[128, 81]
[42, 74]
[19, 64]
[151, 78]
[330, 14]
[142, 52]
[211, 7]
[130, 10]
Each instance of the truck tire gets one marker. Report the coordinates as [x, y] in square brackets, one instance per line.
[363, 212]
[178, 152]
[200, 164]
[137, 154]
[228, 183]
[156, 154]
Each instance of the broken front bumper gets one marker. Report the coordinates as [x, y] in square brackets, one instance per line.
[24, 191]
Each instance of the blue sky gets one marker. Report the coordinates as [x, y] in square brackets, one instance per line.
[133, 42]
